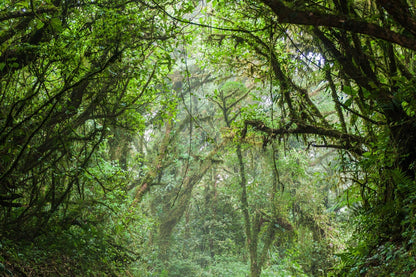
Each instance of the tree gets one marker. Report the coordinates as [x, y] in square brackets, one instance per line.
[82, 81]
[74, 76]
[228, 99]
[360, 54]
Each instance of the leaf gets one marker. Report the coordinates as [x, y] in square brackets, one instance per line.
[40, 25]
[56, 24]
[349, 90]
[348, 102]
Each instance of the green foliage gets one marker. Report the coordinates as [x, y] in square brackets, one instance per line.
[74, 78]
[383, 207]
[227, 267]
[80, 246]
[89, 119]
[285, 263]
[367, 97]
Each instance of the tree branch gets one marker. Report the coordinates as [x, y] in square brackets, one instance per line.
[400, 11]
[17, 14]
[346, 139]
[309, 18]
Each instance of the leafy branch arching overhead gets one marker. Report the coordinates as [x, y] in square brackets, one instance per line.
[70, 71]
[206, 137]
[361, 54]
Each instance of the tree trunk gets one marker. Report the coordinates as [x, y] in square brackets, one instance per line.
[174, 213]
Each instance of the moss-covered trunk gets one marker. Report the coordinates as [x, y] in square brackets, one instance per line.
[181, 198]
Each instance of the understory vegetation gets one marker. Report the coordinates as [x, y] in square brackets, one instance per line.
[207, 138]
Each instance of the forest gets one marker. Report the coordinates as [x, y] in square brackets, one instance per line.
[207, 138]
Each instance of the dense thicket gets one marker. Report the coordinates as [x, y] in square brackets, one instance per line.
[132, 132]
[361, 54]
[76, 77]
